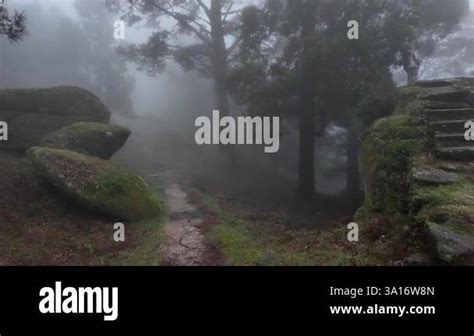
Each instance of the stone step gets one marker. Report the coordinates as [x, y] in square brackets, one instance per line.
[464, 168]
[433, 83]
[450, 114]
[448, 94]
[433, 176]
[455, 153]
[449, 126]
[452, 140]
[451, 244]
[434, 105]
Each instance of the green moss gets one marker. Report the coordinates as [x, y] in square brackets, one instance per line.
[41, 229]
[101, 185]
[452, 206]
[235, 241]
[147, 239]
[124, 192]
[387, 150]
[89, 138]
[274, 242]
[461, 193]
[406, 97]
[81, 129]
[245, 243]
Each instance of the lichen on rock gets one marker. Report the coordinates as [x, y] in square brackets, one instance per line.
[89, 138]
[100, 185]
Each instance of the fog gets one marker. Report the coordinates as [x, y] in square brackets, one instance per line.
[161, 111]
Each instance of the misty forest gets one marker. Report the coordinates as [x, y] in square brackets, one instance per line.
[237, 133]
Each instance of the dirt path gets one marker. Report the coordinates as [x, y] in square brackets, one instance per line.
[186, 243]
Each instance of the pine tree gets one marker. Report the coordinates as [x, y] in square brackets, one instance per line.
[13, 26]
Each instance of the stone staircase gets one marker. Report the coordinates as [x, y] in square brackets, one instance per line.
[448, 174]
[435, 194]
[447, 112]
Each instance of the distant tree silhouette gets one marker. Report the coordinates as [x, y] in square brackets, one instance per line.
[13, 26]
[208, 25]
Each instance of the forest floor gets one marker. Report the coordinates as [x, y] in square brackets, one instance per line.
[39, 228]
[251, 237]
[200, 227]
[246, 213]
[250, 217]
[185, 233]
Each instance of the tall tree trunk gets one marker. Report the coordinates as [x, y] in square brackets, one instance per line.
[220, 69]
[307, 127]
[307, 147]
[219, 58]
[411, 64]
[412, 74]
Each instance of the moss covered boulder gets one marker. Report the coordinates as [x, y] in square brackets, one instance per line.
[410, 182]
[97, 184]
[94, 139]
[387, 149]
[31, 114]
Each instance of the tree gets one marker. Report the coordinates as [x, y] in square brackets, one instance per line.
[416, 26]
[307, 64]
[207, 26]
[13, 26]
[307, 10]
[276, 69]
[78, 52]
[110, 80]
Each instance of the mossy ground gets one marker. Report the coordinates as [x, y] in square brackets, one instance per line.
[275, 239]
[451, 206]
[39, 227]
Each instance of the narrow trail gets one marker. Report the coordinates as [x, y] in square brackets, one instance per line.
[185, 240]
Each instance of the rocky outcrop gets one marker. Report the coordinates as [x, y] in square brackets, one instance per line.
[69, 139]
[418, 168]
[32, 114]
[94, 139]
[97, 184]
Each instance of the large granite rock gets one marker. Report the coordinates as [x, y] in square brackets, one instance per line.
[94, 139]
[96, 184]
[451, 245]
[31, 114]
